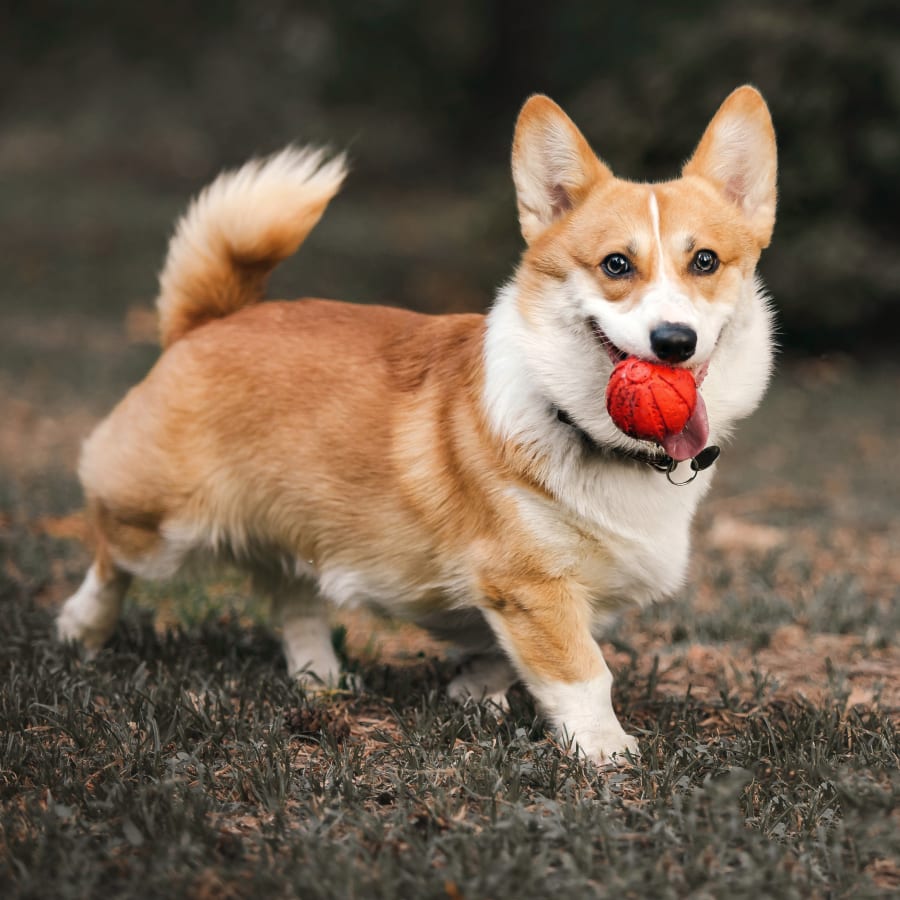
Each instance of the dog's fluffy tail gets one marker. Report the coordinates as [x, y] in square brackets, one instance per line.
[236, 231]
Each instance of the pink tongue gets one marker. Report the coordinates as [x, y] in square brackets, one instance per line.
[693, 438]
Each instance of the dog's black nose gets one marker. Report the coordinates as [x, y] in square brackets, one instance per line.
[673, 342]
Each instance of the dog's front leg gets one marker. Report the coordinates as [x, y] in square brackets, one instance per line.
[544, 626]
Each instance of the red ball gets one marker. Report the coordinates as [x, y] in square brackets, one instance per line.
[650, 401]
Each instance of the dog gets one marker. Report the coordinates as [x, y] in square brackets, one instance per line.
[461, 471]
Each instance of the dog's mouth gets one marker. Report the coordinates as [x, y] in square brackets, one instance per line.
[695, 434]
[616, 354]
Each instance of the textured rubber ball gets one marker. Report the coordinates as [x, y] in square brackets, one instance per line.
[649, 401]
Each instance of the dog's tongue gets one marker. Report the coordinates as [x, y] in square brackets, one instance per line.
[692, 439]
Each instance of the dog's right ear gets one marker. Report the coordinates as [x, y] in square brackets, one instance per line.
[552, 165]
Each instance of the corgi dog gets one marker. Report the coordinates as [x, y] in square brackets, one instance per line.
[461, 471]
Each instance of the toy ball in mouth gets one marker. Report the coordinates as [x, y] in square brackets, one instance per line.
[651, 402]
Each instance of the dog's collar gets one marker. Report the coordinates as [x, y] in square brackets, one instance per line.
[660, 462]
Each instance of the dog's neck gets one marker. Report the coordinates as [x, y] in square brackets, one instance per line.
[658, 460]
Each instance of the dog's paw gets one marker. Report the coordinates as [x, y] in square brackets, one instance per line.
[460, 691]
[608, 747]
[484, 679]
[88, 618]
[313, 683]
[338, 683]
[70, 629]
[312, 662]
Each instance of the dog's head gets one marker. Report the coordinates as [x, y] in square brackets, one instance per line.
[615, 268]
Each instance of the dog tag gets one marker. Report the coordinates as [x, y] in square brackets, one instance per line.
[705, 458]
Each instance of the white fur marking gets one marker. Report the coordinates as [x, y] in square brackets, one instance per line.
[306, 634]
[89, 616]
[662, 277]
[308, 650]
[346, 587]
[583, 711]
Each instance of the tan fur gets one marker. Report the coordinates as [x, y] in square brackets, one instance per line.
[353, 441]
[221, 254]
[305, 461]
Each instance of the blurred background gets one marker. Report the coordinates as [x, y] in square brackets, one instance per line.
[112, 114]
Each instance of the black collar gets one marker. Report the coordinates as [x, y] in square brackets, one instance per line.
[662, 462]
[659, 461]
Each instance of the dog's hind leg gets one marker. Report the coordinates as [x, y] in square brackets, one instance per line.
[89, 616]
[484, 677]
[124, 548]
[306, 633]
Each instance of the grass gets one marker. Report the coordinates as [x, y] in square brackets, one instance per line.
[184, 762]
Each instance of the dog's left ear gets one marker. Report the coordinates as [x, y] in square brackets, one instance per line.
[737, 154]
[552, 164]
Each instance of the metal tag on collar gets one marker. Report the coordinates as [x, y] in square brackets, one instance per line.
[703, 460]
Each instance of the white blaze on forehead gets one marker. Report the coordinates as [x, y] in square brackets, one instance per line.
[654, 219]
[664, 299]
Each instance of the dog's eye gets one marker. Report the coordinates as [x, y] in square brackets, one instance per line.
[705, 262]
[615, 265]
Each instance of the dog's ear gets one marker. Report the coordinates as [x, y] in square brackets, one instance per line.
[552, 165]
[737, 154]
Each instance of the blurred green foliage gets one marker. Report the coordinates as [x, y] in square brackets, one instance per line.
[426, 93]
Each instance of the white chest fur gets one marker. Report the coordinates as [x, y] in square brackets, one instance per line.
[619, 529]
